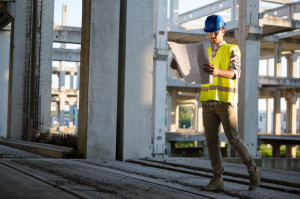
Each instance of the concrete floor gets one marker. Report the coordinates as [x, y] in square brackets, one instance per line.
[26, 175]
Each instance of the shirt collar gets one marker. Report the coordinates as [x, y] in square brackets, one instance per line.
[218, 46]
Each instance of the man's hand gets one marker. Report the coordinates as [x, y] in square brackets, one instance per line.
[211, 69]
[173, 64]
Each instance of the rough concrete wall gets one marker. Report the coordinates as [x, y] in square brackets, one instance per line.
[4, 80]
[138, 79]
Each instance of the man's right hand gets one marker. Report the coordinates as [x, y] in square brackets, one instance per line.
[174, 65]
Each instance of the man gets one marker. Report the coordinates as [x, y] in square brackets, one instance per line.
[219, 102]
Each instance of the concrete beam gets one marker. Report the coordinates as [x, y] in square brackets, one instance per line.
[67, 34]
[180, 83]
[279, 1]
[285, 10]
[61, 54]
[279, 81]
[205, 10]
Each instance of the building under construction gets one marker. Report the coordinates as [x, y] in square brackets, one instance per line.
[129, 98]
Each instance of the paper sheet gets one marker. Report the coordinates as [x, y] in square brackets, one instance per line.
[190, 59]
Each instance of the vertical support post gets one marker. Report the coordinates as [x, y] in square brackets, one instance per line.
[159, 76]
[277, 113]
[277, 59]
[173, 110]
[174, 14]
[249, 34]
[269, 116]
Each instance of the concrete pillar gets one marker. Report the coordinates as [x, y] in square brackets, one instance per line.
[72, 80]
[277, 113]
[46, 63]
[138, 80]
[99, 79]
[62, 77]
[292, 65]
[5, 36]
[17, 67]
[290, 151]
[291, 114]
[116, 79]
[269, 116]
[174, 12]
[71, 115]
[199, 114]
[277, 59]
[249, 34]
[169, 106]
[270, 65]
[62, 101]
[276, 150]
[77, 97]
[173, 110]
[159, 76]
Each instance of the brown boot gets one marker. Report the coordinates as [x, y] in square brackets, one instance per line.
[254, 179]
[216, 183]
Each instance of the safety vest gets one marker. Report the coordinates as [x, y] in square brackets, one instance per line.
[221, 89]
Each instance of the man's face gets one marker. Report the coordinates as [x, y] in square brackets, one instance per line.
[216, 37]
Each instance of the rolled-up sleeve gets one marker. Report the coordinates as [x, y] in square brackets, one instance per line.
[235, 62]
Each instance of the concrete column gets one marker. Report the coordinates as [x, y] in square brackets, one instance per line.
[276, 150]
[270, 65]
[277, 59]
[249, 34]
[292, 65]
[277, 113]
[199, 116]
[117, 54]
[46, 63]
[77, 97]
[290, 151]
[169, 106]
[5, 37]
[71, 115]
[138, 80]
[62, 77]
[173, 110]
[177, 117]
[159, 76]
[174, 12]
[62, 99]
[99, 79]
[269, 116]
[291, 114]
[72, 80]
[17, 67]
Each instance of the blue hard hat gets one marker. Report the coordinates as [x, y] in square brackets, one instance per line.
[213, 23]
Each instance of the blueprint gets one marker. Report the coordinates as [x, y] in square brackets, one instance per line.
[190, 59]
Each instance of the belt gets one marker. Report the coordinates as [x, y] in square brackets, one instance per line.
[212, 103]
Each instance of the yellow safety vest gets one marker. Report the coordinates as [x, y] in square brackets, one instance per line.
[221, 89]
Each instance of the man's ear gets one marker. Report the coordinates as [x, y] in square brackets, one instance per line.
[223, 31]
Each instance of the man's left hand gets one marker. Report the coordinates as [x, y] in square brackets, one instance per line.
[211, 69]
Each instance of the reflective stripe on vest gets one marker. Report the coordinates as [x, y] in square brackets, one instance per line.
[221, 89]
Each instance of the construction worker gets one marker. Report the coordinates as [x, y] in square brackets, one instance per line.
[219, 102]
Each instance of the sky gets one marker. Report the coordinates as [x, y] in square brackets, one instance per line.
[74, 15]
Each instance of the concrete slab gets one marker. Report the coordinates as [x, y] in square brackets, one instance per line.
[46, 150]
[116, 179]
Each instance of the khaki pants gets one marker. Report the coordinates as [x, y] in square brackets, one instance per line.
[226, 114]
